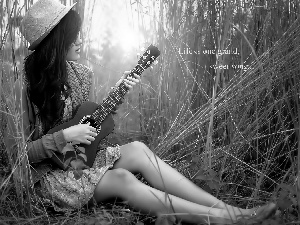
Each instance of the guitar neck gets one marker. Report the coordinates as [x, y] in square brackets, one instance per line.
[114, 98]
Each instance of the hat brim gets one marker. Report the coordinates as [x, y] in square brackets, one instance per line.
[51, 26]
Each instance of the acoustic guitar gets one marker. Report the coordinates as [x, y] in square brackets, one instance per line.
[99, 116]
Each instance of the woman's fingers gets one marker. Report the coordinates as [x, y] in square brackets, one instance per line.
[88, 139]
[93, 129]
[92, 133]
[134, 80]
[126, 73]
[137, 76]
[131, 81]
[87, 142]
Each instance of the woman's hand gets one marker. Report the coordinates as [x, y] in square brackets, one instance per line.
[83, 133]
[128, 80]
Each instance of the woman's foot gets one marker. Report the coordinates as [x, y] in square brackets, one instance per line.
[259, 214]
[250, 216]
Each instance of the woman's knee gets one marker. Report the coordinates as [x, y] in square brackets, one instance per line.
[140, 149]
[135, 156]
[118, 176]
[114, 183]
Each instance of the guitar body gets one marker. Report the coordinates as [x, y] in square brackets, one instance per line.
[107, 127]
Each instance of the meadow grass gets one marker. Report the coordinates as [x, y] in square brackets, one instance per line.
[233, 132]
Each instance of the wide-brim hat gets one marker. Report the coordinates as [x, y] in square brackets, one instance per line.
[40, 19]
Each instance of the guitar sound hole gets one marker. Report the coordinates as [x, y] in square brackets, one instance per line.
[88, 119]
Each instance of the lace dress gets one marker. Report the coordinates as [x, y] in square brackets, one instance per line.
[60, 188]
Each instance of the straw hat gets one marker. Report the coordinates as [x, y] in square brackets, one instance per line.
[40, 19]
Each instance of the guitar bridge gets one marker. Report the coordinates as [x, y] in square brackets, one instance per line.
[87, 119]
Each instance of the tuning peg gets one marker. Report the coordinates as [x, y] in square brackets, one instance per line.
[155, 62]
[143, 49]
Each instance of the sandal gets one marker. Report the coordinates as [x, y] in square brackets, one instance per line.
[254, 213]
[256, 217]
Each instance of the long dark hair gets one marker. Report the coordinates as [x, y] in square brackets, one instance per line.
[46, 71]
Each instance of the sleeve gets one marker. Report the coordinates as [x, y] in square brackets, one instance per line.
[42, 148]
[37, 149]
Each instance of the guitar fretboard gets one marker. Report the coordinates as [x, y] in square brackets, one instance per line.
[114, 99]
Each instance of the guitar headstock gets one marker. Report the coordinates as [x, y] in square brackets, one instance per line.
[148, 57]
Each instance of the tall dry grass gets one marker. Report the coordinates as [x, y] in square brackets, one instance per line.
[233, 131]
[242, 123]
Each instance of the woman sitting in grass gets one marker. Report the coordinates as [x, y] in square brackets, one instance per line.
[54, 84]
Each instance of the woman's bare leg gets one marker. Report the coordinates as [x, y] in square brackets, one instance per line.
[123, 184]
[137, 157]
